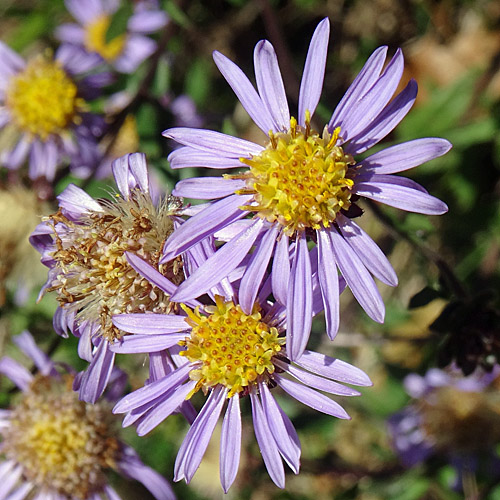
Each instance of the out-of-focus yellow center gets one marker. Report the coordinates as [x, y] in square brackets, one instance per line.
[43, 99]
[233, 349]
[300, 179]
[63, 444]
[95, 39]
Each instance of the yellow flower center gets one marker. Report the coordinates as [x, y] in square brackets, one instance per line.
[300, 179]
[94, 277]
[95, 39]
[63, 444]
[232, 348]
[43, 99]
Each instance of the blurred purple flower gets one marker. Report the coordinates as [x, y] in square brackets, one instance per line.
[125, 51]
[229, 354]
[43, 111]
[56, 446]
[84, 246]
[447, 407]
[302, 186]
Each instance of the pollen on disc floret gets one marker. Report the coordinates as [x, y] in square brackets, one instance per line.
[231, 348]
[301, 179]
[93, 275]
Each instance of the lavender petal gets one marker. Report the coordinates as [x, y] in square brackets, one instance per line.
[245, 92]
[96, 376]
[207, 187]
[267, 444]
[299, 307]
[270, 84]
[311, 398]
[146, 343]
[230, 443]
[187, 156]
[314, 71]
[405, 156]
[280, 273]
[149, 323]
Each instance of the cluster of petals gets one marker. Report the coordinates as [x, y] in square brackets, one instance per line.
[146, 18]
[77, 143]
[170, 385]
[15, 484]
[365, 115]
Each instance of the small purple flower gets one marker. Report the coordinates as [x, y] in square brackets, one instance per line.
[125, 51]
[439, 420]
[84, 246]
[302, 186]
[229, 354]
[43, 111]
[56, 446]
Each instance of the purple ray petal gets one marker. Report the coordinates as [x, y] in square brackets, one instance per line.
[288, 445]
[218, 215]
[147, 21]
[358, 278]
[359, 87]
[146, 343]
[152, 391]
[213, 142]
[16, 372]
[405, 156]
[333, 368]
[219, 265]
[131, 466]
[164, 409]
[95, 378]
[28, 346]
[368, 251]
[76, 201]
[401, 193]
[254, 273]
[270, 84]
[386, 121]
[299, 307]
[186, 156]
[280, 273]
[311, 398]
[267, 444]
[149, 323]
[245, 92]
[207, 187]
[230, 443]
[329, 283]
[139, 169]
[373, 102]
[320, 383]
[71, 33]
[314, 71]
[196, 441]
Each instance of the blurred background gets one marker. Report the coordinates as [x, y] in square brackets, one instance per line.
[417, 433]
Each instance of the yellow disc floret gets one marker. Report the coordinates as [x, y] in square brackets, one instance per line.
[232, 348]
[300, 179]
[63, 444]
[42, 99]
[95, 39]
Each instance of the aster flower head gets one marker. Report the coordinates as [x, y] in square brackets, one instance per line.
[84, 245]
[302, 185]
[55, 446]
[44, 112]
[127, 49]
[443, 418]
[228, 354]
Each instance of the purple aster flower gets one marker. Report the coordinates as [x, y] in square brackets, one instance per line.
[446, 407]
[84, 246]
[302, 186]
[57, 447]
[43, 113]
[229, 354]
[125, 51]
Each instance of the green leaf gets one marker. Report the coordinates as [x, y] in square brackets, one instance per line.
[118, 24]
[198, 81]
